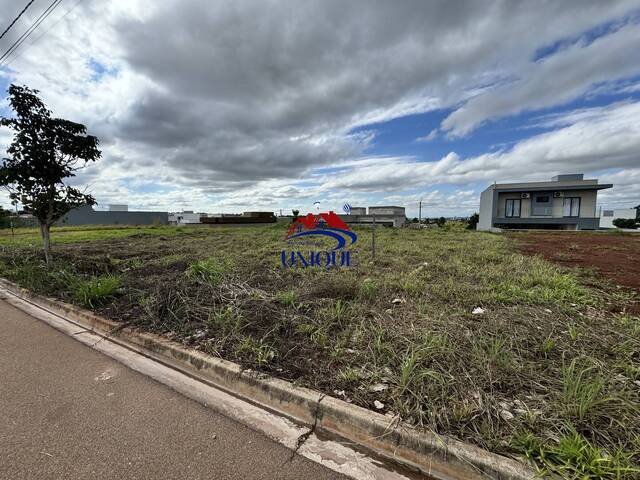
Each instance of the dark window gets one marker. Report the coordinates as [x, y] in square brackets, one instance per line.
[512, 207]
[571, 207]
[542, 199]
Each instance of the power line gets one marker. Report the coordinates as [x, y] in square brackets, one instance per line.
[16, 19]
[31, 29]
[43, 33]
[43, 16]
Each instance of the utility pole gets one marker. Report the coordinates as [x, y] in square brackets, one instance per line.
[420, 213]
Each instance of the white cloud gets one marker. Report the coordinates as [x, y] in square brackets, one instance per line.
[554, 80]
[600, 139]
[232, 105]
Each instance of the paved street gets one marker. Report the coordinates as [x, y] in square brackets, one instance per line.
[70, 412]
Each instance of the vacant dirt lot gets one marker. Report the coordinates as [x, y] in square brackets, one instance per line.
[453, 331]
[615, 257]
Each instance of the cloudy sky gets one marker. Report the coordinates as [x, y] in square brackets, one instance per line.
[223, 106]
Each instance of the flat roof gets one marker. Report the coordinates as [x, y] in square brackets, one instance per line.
[546, 188]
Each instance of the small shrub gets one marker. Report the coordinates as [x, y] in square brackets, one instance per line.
[472, 223]
[626, 223]
[368, 288]
[288, 298]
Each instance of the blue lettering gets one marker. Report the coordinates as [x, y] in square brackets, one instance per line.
[304, 261]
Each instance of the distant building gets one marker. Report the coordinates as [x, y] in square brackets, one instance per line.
[393, 211]
[86, 215]
[567, 202]
[608, 216]
[185, 217]
[247, 218]
[118, 208]
[387, 216]
[390, 216]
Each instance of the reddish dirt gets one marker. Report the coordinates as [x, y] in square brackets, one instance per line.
[616, 257]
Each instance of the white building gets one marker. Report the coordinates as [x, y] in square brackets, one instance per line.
[186, 217]
[566, 202]
[608, 216]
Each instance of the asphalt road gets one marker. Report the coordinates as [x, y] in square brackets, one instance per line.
[67, 411]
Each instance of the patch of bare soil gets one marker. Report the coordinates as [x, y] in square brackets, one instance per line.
[615, 257]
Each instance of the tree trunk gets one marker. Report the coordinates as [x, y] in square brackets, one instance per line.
[46, 242]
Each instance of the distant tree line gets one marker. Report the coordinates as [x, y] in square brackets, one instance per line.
[472, 221]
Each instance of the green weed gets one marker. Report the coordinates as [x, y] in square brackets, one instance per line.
[260, 352]
[94, 291]
[226, 319]
[287, 298]
[211, 270]
[572, 456]
[350, 375]
[369, 288]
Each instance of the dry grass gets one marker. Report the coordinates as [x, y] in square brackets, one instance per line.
[550, 370]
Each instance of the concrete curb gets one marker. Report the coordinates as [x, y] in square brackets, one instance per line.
[439, 457]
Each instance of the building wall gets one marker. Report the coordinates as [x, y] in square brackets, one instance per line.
[486, 210]
[386, 211]
[525, 204]
[89, 216]
[607, 221]
[182, 218]
[118, 207]
[587, 203]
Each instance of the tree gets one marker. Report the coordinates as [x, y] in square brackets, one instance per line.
[441, 221]
[5, 218]
[472, 223]
[626, 223]
[45, 152]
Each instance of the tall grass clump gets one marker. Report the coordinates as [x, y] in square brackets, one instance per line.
[572, 456]
[210, 270]
[95, 291]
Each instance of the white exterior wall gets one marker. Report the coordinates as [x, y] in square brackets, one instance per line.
[607, 222]
[587, 203]
[182, 218]
[486, 210]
